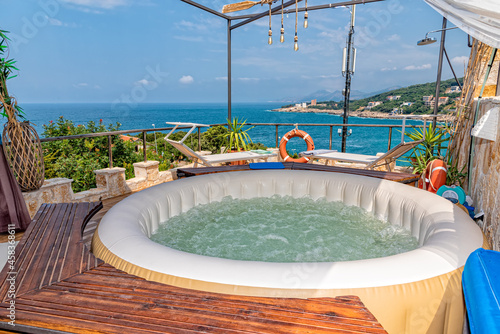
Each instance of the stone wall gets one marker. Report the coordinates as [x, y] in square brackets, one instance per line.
[483, 183]
[110, 183]
[485, 177]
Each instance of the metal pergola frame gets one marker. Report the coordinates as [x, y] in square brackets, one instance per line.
[246, 19]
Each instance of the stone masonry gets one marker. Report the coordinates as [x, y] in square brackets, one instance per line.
[110, 183]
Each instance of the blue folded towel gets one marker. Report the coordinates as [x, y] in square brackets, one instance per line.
[266, 165]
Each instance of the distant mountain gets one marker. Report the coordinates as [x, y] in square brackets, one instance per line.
[326, 95]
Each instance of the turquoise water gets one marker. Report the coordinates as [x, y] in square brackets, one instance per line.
[283, 229]
[363, 140]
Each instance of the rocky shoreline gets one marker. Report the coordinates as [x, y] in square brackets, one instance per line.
[355, 113]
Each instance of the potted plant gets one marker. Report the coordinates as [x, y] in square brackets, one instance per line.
[429, 149]
[238, 137]
[21, 143]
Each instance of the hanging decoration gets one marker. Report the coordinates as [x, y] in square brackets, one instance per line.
[249, 4]
[296, 38]
[282, 35]
[270, 40]
[306, 24]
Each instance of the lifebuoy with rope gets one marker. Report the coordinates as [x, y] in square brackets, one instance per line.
[434, 176]
[291, 134]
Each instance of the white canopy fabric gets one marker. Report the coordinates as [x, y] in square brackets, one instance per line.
[478, 18]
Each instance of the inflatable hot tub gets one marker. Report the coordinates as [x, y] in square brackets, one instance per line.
[413, 292]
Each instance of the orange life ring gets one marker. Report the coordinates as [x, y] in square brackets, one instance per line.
[434, 176]
[295, 133]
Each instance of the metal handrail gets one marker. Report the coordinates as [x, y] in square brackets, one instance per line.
[276, 125]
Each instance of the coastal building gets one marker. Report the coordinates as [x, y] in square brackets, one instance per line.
[313, 102]
[373, 104]
[408, 104]
[453, 89]
[443, 100]
[428, 100]
[393, 97]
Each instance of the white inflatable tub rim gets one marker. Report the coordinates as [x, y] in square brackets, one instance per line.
[446, 234]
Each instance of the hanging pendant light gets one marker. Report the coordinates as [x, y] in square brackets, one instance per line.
[282, 31]
[270, 39]
[306, 24]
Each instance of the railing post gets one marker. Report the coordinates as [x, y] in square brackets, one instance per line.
[110, 152]
[331, 136]
[277, 144]
[199, 139]
[390, 139]
[144, 146]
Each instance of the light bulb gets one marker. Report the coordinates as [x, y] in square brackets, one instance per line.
[306, 24]
[270, 40]
[296, 43]
[282, 37]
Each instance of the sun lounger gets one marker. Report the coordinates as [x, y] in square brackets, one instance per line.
[371, 161]
[210, 160]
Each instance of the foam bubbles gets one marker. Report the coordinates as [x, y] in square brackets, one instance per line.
[283, 229]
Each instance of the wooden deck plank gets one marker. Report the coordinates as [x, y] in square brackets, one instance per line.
[63, 287]
[292, 307]
[167, 314]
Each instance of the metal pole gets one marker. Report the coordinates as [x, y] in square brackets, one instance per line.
[440, 69]
[156, 145]
[331, 137]
[277, 144]
[348, 73]
[199, 139]
[452, 70]
[390, 139]
[229, 70]
[144, 146]
[110, 152]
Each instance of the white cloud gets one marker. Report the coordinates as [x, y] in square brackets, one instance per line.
[221, 78]
[385, 69]
[81, 85]
[394, 37]
[189, 38]
[249, 79]
[460, 60]
[417, 68]
[144, 82]
[186, 79]
[105, 4]
[55, 22]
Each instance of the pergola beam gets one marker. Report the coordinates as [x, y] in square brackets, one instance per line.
[210, 10]
[309, 8]
[255, 17]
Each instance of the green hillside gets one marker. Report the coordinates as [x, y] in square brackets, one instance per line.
[408, 94]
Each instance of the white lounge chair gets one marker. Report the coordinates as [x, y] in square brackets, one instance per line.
[210, 160]
[371, 161]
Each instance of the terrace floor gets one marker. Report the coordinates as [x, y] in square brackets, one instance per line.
[61, 287]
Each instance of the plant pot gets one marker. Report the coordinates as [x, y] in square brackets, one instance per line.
[238, 162]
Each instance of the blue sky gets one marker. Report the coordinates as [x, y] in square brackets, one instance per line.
[167, 51]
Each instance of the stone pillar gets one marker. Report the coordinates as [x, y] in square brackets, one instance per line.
[147, 170]
[53, 191]
[112, 179]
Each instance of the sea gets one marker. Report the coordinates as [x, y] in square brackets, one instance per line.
[363, 140]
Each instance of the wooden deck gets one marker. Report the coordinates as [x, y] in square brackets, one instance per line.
[392, 176]
[61, 287]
